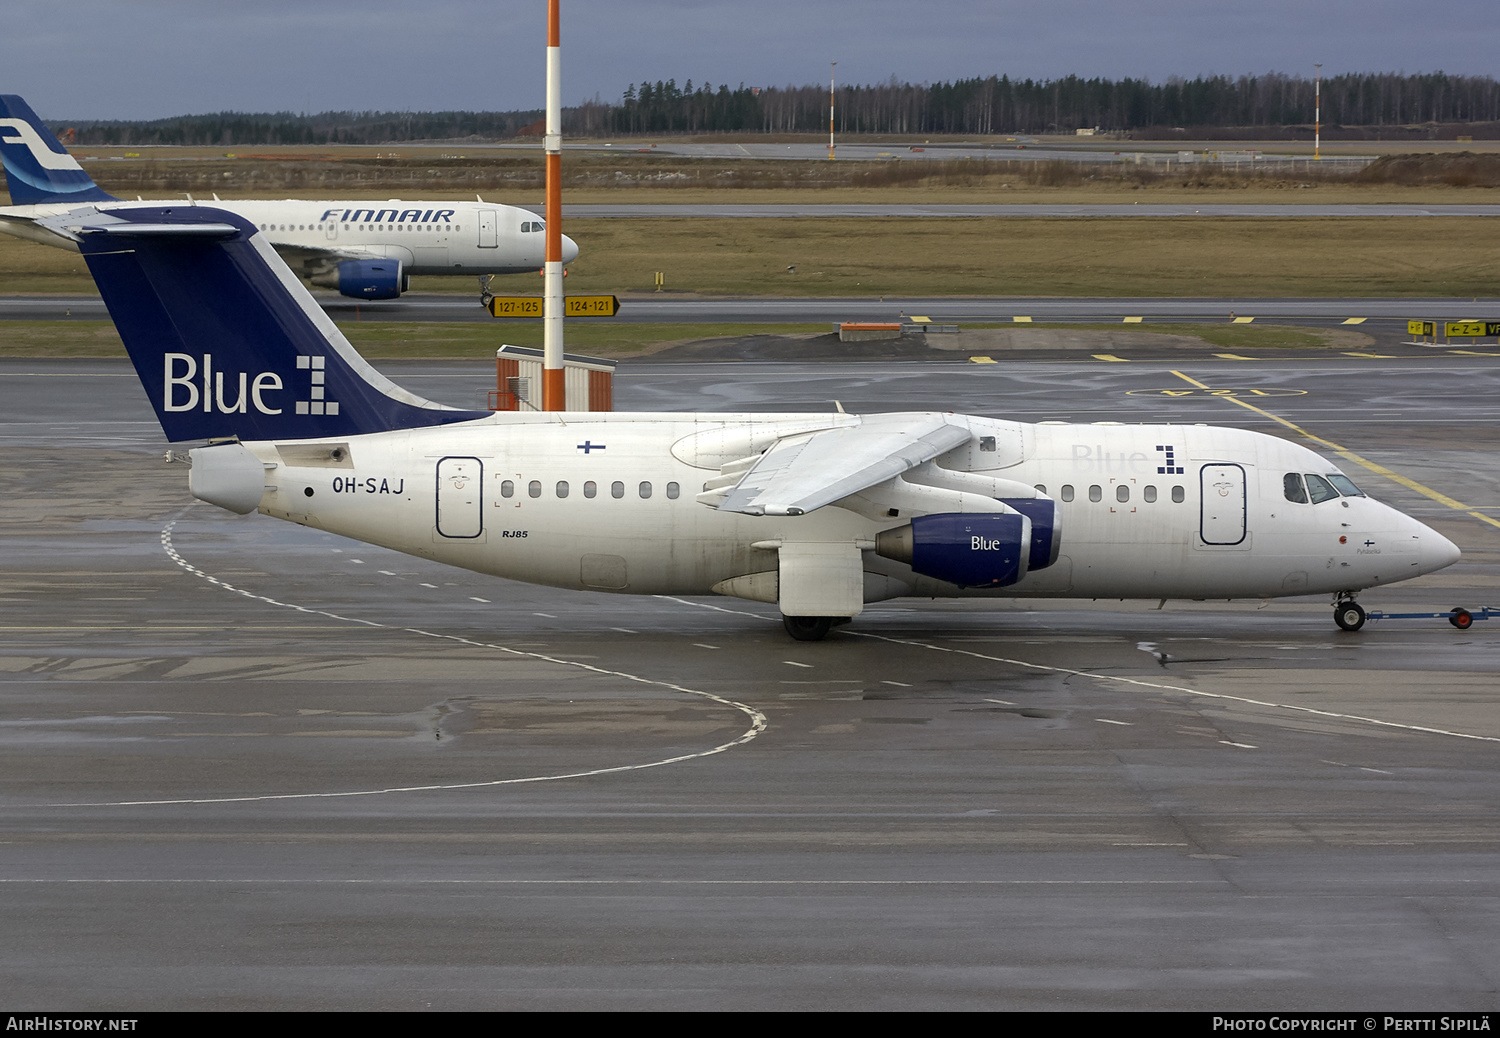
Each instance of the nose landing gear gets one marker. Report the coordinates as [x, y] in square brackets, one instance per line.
[1349, 614]
[485, 295]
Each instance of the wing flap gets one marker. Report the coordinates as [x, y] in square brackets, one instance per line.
[810, 470]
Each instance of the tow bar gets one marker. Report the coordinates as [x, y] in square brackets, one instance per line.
[1458, 616]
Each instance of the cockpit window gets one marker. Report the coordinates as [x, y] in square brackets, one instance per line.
[1320, 489]
[1345, 485]
[1291, 485]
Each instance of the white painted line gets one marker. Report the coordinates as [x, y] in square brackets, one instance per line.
[898, 684]
[794, 663]
[429, 585]
[547, 615]
[705, 645]
[476, 598]
[1241, 745]
[386, 573]
[1133, 682]
[623, 630]
[1105, 720]
[758, 720]
[1002, 702]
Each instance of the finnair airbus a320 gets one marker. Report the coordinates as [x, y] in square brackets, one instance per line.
[366, 250]
[818, 513]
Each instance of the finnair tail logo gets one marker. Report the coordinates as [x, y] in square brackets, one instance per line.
[18, 131]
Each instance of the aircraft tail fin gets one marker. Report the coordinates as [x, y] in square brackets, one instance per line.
[224, 337]
[38, 168]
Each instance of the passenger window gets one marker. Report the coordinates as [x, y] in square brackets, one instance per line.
[562, 488]
[1149, 494]
[1345, 485]
[673, 490]
[617, 489]
[1178, 495]
[1320, 489]
[1122, 493]
[1067, 492]
[1291, 486]
[508, 488]
[1041, 488]
[534, 488]
[645, 489]
[1095, 493]
[590, 488]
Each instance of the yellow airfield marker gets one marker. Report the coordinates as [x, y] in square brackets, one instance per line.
[1021, 320]
[1132, 320]
[920, 320]
[1110, 357]
[1231, 356]
[1242, 320]
[981, 360]
[1355, 320]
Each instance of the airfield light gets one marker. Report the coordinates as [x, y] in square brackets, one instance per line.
[554, 383]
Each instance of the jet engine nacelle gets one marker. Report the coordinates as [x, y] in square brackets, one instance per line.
[1046, 528]
[970, 549]
[366, 278]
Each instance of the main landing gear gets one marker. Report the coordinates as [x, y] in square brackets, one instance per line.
[811, 628]
[1349, 614]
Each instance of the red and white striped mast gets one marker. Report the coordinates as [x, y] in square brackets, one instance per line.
[831, 66]
[1318, 111]
[554, 382]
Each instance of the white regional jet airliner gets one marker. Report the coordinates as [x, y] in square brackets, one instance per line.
[818, 513]
[366, 250]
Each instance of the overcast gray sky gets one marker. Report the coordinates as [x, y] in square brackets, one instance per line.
[133, 59]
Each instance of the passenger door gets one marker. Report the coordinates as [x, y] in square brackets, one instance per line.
[459, 481]
[1222, 490]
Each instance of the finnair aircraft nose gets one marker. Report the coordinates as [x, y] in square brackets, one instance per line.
[1435, 551]
[570, 249]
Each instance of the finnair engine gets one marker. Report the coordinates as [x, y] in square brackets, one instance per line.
[365, 278]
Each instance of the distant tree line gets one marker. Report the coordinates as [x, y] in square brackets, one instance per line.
[225, 129]
[993, 105]
[999, 104]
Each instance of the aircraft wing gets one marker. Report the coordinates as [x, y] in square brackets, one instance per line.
[314, 255]
[810, 470]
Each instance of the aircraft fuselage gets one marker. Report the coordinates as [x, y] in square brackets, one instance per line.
[609, 502]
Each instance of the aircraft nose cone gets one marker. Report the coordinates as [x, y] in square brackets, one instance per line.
[569, 249]
[1436, 551]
